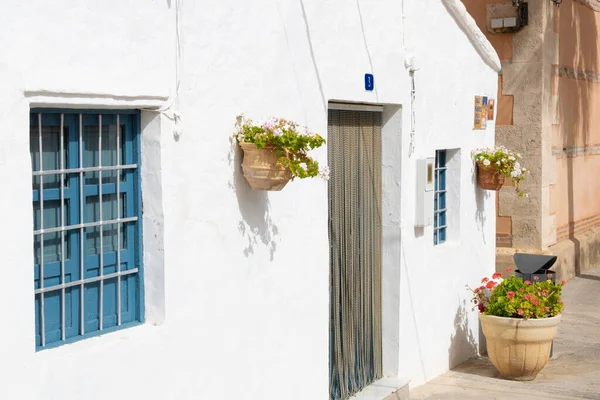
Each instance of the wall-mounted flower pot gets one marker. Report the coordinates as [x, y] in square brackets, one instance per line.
[489, 177]
[261, 170]
[519, 348]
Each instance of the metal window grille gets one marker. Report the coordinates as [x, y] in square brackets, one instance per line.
[439, 200]
[87, 234]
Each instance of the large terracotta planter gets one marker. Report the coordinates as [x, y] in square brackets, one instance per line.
[488, 177]
[261, 170]
[519, 348]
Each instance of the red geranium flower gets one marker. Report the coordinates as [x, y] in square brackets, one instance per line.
[497, 275]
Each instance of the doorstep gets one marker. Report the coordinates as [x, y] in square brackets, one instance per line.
[384, 389]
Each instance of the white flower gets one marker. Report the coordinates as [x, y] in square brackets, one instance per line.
[239, 120]
[278, 132]
[498, 162]
[480, 158]
[524, 170]
[517, 166]
[486, 162]
[519, 155]
[303, 166]
[515, 173]
[511, 158]
[324, 173]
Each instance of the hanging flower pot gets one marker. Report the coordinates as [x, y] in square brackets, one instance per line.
[489, 177]
[277, 152]
[261, 169]
[496, 164]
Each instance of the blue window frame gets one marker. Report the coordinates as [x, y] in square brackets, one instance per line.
[87, 223]
[439, 200]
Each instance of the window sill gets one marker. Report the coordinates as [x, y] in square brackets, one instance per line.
[141, 332]
[447, 245]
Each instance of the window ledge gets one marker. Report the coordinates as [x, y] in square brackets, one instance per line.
[384, 389]
[447, 245]
[145, 332]
[62, 99]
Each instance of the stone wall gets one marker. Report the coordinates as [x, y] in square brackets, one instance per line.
[548, 93]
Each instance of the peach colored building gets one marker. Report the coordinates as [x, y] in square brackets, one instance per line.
[548, 110]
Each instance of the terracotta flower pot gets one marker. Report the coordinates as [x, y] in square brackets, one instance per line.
[519, 348]
[261, 170]
[489, 177]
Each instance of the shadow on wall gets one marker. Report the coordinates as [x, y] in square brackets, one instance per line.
[256, 225]
[462, 343]
[580, 22]
[480, 196]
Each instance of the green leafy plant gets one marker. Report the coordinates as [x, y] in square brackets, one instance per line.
[505, 162]
[515, 298]
[290, 142]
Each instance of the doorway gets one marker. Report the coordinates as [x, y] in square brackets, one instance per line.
[355, 239]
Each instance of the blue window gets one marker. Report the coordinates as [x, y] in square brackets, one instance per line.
[439, 200]
[87, 223]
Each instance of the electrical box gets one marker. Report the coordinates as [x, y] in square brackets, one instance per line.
[499, 23]
[510, 22]
[425, 191]
[508, 18]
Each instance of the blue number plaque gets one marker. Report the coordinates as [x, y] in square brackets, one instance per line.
[369, 82]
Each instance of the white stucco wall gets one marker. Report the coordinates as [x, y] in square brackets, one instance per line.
[437, 328]
[237, 280]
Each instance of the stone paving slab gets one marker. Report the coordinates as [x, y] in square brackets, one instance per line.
[572, 373]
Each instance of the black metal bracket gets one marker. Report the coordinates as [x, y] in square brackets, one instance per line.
[523, 15]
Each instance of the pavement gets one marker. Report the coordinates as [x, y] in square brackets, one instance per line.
[573, 372]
